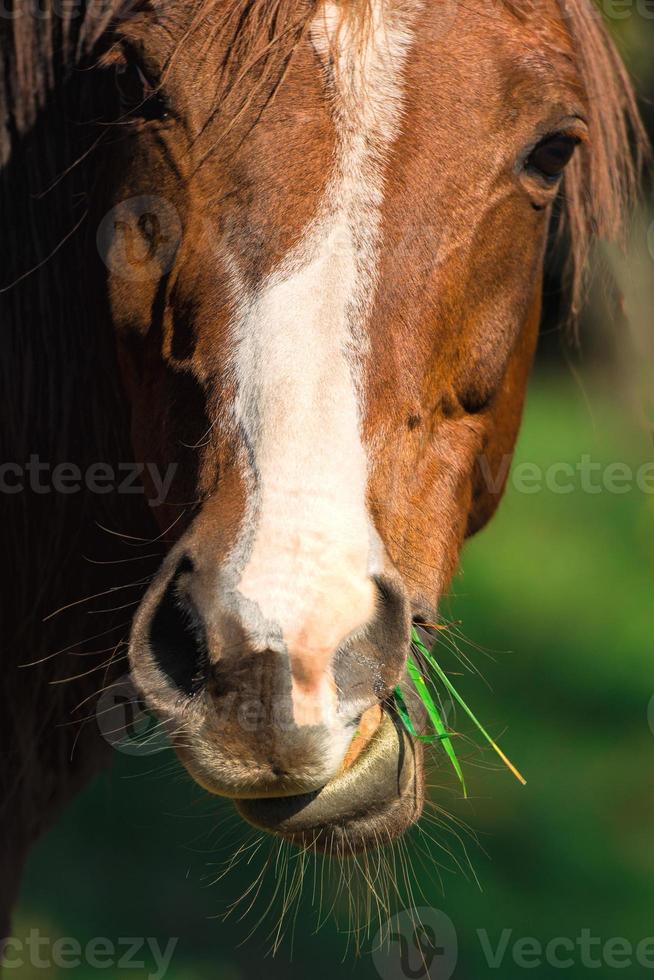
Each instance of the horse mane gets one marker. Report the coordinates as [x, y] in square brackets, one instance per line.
[602, 184]
[38, 50]
[60, 402]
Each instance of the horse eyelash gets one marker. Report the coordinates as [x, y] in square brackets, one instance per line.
[121, 58]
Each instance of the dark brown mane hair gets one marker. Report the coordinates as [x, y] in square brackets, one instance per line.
[602, 184]
[59, 401]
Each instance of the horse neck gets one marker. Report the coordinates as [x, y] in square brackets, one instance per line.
[61, 401]
[61, 395]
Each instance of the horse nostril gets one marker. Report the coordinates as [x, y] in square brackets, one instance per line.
[177, 637]
[367, 671]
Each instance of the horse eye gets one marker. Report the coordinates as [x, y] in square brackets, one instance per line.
[552, 155]
[138, 95]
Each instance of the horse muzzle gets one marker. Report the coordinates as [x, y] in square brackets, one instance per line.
[231, 709]
[376, 798]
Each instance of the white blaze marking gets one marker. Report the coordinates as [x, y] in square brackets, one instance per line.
[299, 344]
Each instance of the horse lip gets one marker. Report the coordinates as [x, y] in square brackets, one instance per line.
[381, 784]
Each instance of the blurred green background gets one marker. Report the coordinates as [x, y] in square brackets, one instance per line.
[554, 606]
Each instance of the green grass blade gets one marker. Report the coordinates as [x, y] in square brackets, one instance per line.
[435, 718]
[405, 717]
[442, 676]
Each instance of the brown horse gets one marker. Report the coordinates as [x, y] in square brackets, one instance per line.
[320, 233]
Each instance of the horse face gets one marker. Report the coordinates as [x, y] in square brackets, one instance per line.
[329, 320]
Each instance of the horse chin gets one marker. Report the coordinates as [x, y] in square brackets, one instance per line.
[378, 797]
